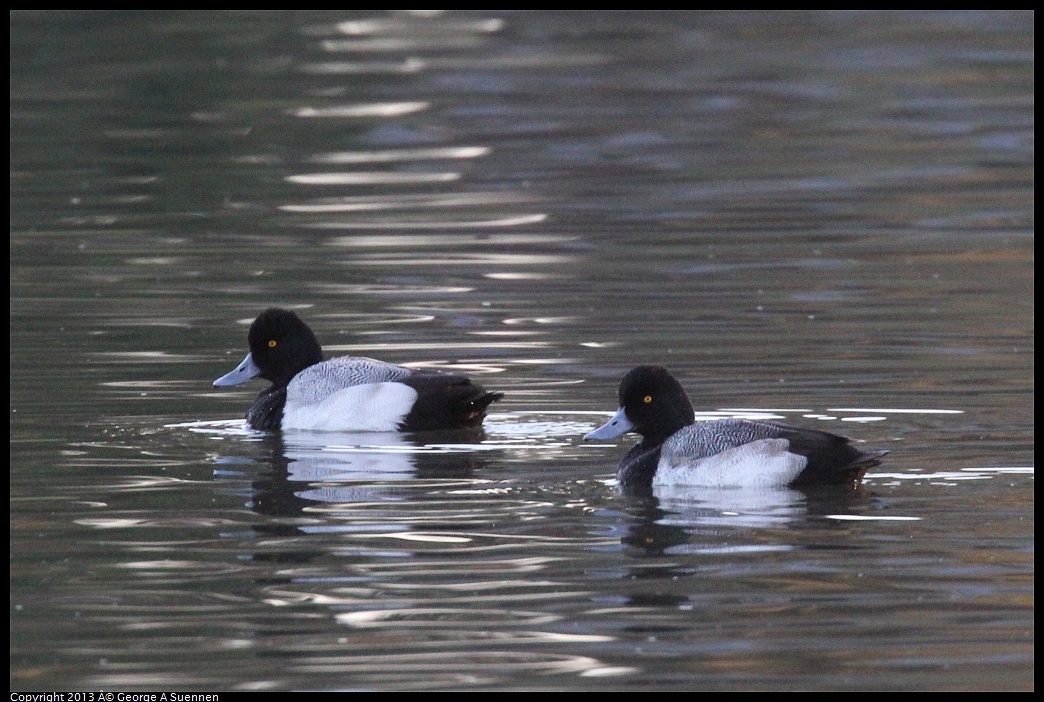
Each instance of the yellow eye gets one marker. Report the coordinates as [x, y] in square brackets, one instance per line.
[647, 399]
[272, 343]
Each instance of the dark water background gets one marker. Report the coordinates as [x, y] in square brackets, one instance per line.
[825, 217]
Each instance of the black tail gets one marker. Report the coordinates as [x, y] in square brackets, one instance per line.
[475, 410]
[819, 472]
[447, 402]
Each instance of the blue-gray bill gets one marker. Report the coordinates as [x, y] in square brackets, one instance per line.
[242, 373]
[619, 424]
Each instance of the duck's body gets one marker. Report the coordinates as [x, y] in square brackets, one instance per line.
[676, 450]
[347, 393]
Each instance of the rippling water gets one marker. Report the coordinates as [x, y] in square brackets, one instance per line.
[821, 217]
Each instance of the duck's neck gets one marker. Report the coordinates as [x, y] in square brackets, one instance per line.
[673, 420]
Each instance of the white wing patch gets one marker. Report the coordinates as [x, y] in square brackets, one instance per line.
[370, 407]
[763, 463]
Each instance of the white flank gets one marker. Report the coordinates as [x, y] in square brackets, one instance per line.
[371, 407]
[765, 463]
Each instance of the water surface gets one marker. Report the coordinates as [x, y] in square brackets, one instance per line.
[822, 217]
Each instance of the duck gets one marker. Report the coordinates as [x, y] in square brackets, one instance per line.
[347, 394]
[676, 450]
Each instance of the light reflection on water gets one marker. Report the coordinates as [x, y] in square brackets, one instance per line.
[772, 204]
[389, 109]
[374, 178]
